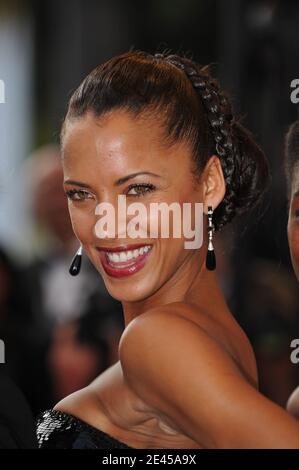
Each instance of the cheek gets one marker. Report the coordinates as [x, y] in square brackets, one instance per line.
[82, 223]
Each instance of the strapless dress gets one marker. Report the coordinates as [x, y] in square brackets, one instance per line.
[58, 430]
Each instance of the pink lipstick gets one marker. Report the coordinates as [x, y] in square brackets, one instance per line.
[124, 260]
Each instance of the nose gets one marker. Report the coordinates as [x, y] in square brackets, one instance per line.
[111, 218]
[119, 220]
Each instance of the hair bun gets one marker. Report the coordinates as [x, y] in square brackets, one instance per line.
[248, 178]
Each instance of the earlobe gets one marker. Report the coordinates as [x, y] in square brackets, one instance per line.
[214, 183]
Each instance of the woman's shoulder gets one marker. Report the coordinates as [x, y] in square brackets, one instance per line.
[86, 413]
[60, 426]
[166, 336]
[176, 311]
[181, 328]
[174, 317]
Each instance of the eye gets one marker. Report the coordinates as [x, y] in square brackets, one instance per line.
[140, 189]
[296, 213]
[78, 194]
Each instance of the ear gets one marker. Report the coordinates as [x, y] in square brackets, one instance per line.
[213, 183]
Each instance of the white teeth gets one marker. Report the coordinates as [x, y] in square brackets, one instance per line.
[127, 255]
[130, 254]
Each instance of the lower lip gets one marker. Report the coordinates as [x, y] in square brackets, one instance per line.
[117, 271]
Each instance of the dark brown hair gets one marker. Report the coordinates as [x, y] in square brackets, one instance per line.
[193, 108]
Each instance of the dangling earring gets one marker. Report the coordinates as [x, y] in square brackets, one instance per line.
[76, 262]
[210, 259]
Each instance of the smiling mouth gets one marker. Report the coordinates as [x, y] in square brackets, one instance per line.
[126, 262]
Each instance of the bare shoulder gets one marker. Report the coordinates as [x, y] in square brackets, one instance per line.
[154, 318]
[186, 374]
[165, 328]
[74, 402]
[181, 325]
[163, 350]
[173, 330]
[83, 403]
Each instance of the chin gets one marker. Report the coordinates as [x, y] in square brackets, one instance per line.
[126, 279]
[134, 288]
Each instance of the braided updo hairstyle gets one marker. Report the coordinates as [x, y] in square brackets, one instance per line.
[193, 109]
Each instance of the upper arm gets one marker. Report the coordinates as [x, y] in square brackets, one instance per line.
[180, 371]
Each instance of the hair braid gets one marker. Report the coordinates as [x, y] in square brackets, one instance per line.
[220, 118]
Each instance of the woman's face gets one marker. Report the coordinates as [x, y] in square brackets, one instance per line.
[293, 221]
[99, 155]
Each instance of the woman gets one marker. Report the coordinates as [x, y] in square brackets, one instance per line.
[159, 129]
[292, 175]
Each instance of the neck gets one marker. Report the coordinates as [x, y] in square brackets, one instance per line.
[192, 284]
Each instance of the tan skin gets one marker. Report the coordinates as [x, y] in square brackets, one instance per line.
[293, 237]
[186, 375]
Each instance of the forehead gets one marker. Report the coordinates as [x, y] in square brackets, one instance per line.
[114, 132]
[119, 139]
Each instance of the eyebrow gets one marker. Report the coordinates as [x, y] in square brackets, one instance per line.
[118, 182]
[77, 183]
[128, 177]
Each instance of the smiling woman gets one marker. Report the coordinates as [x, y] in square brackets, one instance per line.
[160, 129]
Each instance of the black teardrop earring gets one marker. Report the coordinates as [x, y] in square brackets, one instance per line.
[76, 262]
[211, 258]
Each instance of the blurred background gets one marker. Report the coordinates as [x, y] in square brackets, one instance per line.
[60, 332]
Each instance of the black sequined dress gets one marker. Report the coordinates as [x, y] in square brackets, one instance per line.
[59, 430]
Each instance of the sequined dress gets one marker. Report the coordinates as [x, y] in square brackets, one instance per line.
[59, 430]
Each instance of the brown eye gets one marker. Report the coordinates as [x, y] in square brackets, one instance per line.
[78, 194]
[140, 189]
